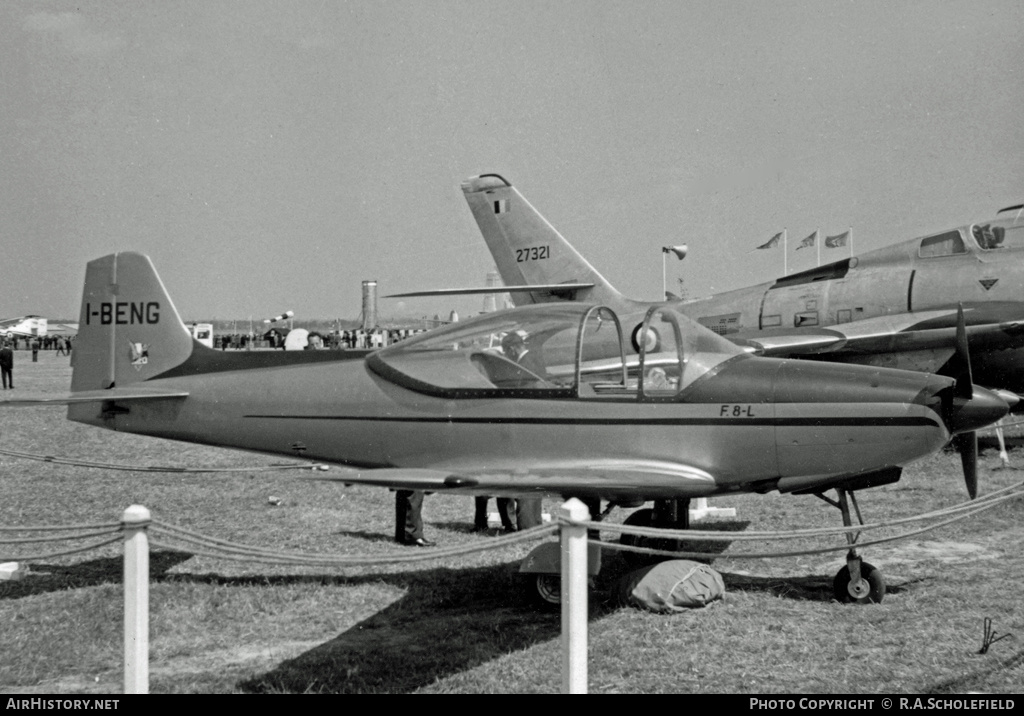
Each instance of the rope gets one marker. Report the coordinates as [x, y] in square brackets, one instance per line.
[161, 468]
[55, 528]
[230, 550]
[969, 508]
[795, 553]
[170, 536]
[51, 555]
[62, 538]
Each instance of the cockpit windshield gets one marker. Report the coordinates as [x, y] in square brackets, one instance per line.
[1001, 234]
[551, 350]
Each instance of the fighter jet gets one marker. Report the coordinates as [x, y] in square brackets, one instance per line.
[893, 307]
[461, 410]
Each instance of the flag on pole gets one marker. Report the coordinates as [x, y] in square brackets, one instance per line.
[834, 242]
[772, 242]
[809, 241]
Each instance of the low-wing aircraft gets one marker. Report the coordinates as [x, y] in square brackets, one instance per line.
[33, 326]
[894, 307]
[451, 411]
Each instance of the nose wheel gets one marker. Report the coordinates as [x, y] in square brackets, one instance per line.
[858, 582]
[868, 588]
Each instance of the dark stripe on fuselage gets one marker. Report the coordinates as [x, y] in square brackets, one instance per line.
[853, 421]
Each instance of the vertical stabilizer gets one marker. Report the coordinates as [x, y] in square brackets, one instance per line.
[128, 329]
[527, 249]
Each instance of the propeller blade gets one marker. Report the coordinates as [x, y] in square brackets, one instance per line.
[959, 365]
[967, 445]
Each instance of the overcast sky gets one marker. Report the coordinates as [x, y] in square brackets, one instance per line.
[272, 155]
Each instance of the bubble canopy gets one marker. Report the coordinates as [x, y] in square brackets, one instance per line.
[552, 351]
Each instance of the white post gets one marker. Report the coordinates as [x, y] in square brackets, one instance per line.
[136, 600]
[574, 597]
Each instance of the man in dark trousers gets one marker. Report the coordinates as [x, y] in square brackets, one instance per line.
[409, 519]
[506, 508]
[7, 365]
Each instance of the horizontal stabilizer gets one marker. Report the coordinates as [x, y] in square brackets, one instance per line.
[93, 396]
[549, 287]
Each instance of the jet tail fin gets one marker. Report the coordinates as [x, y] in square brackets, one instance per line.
[528, 250]
[129, 330]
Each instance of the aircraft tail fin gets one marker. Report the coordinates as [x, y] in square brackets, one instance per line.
[527, 249]
[129, 330]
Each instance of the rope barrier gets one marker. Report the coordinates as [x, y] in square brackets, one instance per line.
[65, 553]
[168, 536]
[62, 538]
[161, 468]
[56, 528]
[240, 552]
[968, 508]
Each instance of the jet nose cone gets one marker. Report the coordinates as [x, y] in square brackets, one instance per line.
[984, 408]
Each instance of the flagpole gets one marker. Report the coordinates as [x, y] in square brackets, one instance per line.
[785, 269]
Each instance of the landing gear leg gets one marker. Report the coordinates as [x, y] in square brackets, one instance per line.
[858, 582]
[673, 514]
[1004, 458]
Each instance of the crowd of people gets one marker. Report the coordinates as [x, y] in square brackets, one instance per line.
[61, 344]
[358, 339]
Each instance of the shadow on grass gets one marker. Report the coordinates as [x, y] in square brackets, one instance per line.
[44, 578]
[993, 670]
[368, 536]
[449, 621]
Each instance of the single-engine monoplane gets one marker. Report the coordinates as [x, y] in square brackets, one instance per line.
[544, 399]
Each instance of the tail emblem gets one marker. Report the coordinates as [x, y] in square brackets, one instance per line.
[139, 353]
[501, 206]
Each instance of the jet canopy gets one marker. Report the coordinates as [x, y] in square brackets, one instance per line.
[999, 234]
[563, 350]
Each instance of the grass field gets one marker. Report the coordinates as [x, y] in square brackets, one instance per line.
[461, 625]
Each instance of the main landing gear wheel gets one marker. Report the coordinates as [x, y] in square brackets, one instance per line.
[667, 514]
[543, 590]
[869, 589]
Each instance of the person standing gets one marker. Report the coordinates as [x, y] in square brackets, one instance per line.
[7, 365]
[506, 508]
[409, 519]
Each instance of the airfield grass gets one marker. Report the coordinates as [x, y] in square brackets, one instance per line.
[461, 625]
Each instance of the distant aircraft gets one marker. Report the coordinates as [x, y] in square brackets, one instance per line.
[34, 326]
[450, 411]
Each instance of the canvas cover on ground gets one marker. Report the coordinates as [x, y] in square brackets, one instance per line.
[671, 586]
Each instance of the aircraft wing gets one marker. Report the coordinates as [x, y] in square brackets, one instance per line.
[550, 287]
[649, 479]
[122, 395]
[881, 334]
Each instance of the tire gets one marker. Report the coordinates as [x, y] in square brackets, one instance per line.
[875, 585]
[639, 518]
[543, 590]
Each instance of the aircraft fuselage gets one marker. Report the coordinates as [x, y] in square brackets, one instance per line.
[776, 424]
[913, 277]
